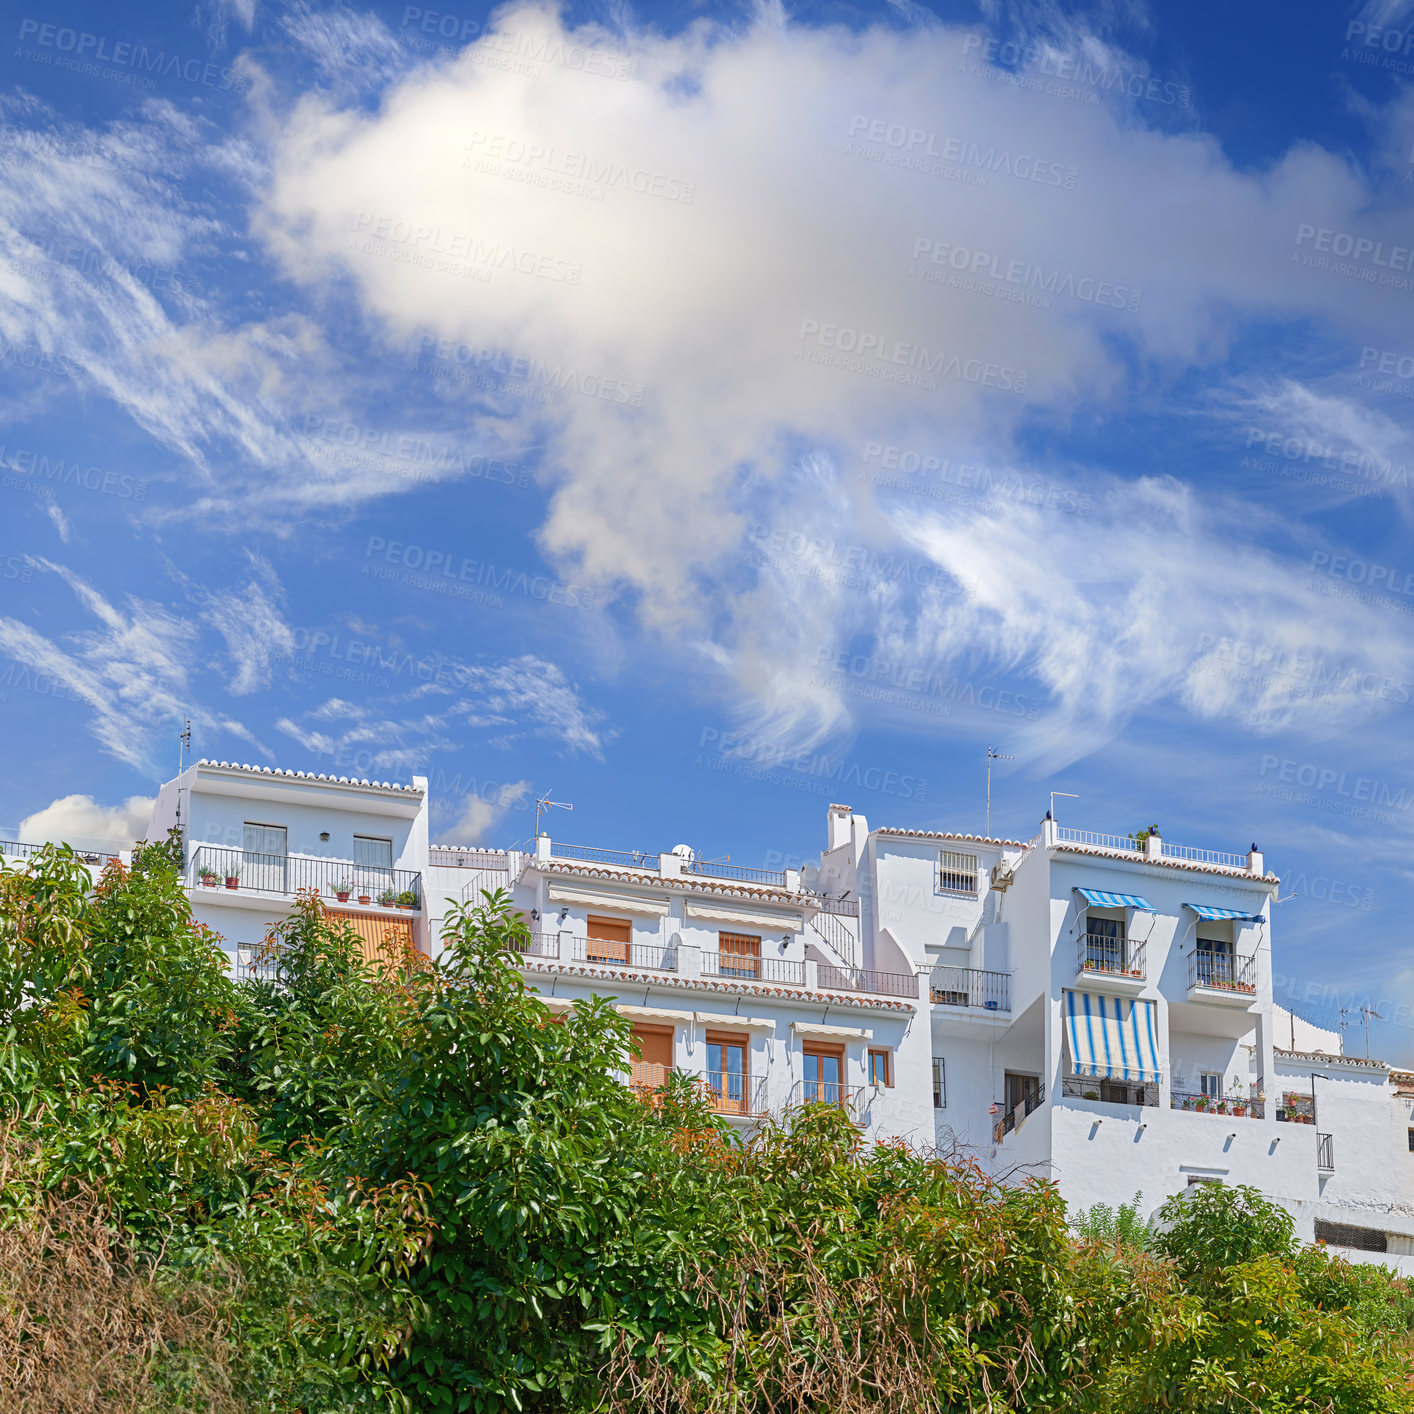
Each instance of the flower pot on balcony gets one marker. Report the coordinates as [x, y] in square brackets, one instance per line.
[233, 882]
[342, 895]
[1239, 1109]
[365, 898]
[209, 881]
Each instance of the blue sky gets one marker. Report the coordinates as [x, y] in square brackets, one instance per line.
[708, 413]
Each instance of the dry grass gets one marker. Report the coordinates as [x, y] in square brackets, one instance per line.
[85, 1325]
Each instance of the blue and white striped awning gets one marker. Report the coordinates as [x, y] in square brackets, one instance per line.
[1116, 1037]
[1104, 900]
[1219, 915]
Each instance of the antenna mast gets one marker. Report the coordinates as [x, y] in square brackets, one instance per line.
[545, 804]
[992, 755]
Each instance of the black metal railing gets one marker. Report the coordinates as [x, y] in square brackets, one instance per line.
[1200, 1103]
[746, 967]
[1111, 957]
[592, 854]
[707, 869]
[846, 907]
[1031, 1101]
[1325, 1151]
[832, 929]
[1222, 972]
[539, 944]
[1114, 1092]
[217, 866]
[862, 979]
[17, 849]
[734, 1094]
[612, 953]
[827, 1092]
[971, 987]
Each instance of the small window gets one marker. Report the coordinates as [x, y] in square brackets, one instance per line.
[1362, 1239]
[1411, 1141]
[1210, 1083]
[940, 1087]
[881, 1071]
[957, 873]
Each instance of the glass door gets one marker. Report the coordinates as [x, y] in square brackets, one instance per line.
[264, 858]
[726, 1075]
[373, 865]
[822, 1077]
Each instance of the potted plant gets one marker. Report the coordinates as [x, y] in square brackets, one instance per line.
[1239, 1108]
[1283, 1114]
[1092, 1094]
[387, 898]
[406, 900]
[342, 889]
[233, 876]
[1202, 1104]
[209, 877]
[365, 898]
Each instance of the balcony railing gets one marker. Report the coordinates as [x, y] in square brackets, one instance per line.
[1216, 1104]
[1112, 957]
[1013, 1117]
[1204, 856]
[744, 966]
[591, 854]
[732, 1094]
[1222, 972]
[540, 944]
[775, 878]
[861, 979]
[217, 865]
[1096, 841]
[1325, 1151]
[610, 953]
[449, 857]
[847, 907]
[839, 935]
[972, 987]
[827, 1092]
[1114, 1092]
[15, 849]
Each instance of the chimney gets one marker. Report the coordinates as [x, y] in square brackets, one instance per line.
[837, 826]
[1048, 831]
[1153, 846]
[1254, 861]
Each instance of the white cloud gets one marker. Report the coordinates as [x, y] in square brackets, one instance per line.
[719, 306]
[61, 521]
[476, 815]
[252, 623]
[80, 819]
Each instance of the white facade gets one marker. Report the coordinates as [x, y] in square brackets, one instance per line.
[1080, 1007]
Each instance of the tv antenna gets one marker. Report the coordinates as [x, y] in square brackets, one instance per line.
[183, 745]
[1366, 1012]
[545, 804]
[1055, 793]
[992, 755]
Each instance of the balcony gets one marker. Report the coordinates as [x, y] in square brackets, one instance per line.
[748, 968]
[13, 849]
[971, 987]
[1221, 977]
[1112, 1092]
[849, 1098]
[651, 862]
[860, 979]
[1325, 1153]
[1117, 964]
[1216, 1105]
[284, 875]
[731, 1094]
[1014, 1117]
[1125, 844]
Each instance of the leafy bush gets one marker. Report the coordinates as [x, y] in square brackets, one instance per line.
[405, 1185]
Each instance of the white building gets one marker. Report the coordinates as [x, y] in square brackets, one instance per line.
[1082, 1007]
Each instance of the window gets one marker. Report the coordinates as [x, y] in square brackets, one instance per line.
[739, 954]
[1022, 1090]
[1210, 1083]
[881, 1071]
[940, 1086]
[957, 873]
[609, 939]
[654, 1047]
[727, 1081]
[1411, 1141]
[824, 1073]
[1363, 1239]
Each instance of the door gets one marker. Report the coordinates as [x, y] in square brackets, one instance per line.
[726, 1074]
[1214, 962]
[1104, 945]
[739, 955]
[264, 851]
[373, 865]
[1021, 1091]
[824, 1073]
[610, 939]
[654, 1045]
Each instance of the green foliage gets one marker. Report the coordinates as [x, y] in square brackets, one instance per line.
[412, 1187]
[1123, 1226]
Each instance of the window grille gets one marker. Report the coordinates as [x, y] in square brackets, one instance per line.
[957, 873]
